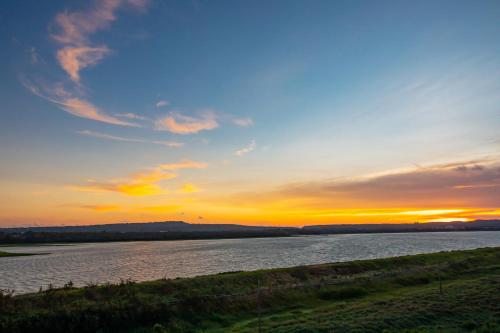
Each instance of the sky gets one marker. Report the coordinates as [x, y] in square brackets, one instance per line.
[283, 113]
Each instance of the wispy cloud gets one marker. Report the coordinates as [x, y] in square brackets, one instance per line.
[178, 123]
[99, 208]
[157, 209]
[74, 105]
[247, 149]
[171, 144]
[130, 115]
[162, 103]
[34, 57]
[184, 164]
[152, 176]
[189, 188]
[73, 30]
[141, 183]
[74, 59]
[133, 189]
[243, 122]
[106, 208]
[76, 27]
[85, 109]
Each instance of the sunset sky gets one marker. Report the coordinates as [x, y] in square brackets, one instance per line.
[251, 112]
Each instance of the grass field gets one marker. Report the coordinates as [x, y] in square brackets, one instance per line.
[443, 292]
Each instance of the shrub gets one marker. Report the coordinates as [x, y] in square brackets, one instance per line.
[412, 280]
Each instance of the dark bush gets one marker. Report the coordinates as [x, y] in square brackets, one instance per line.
[342, 293]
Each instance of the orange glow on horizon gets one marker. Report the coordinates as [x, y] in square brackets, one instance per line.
[157, 194]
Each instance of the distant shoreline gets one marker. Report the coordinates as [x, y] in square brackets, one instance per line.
[69, 238]
[10, 254]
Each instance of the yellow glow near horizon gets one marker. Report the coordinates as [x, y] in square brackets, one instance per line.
[452, 219]
[189, 188]
[139, 189]
[157, 194]
[432, 212]
[377, 212]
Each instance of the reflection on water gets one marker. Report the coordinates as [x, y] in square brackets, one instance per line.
[140, 261]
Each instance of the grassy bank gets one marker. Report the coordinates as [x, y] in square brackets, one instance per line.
[35, 244]
[10, 254]
[443, 292]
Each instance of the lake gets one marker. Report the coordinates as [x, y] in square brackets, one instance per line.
[141, 261]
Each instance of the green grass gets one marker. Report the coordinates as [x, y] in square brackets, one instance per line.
[386, 295]
[422, 309]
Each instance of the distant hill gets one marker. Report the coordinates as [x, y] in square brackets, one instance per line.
[166, 226]
[168, 230]
[179, 230]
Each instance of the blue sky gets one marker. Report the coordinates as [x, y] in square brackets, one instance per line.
[303, 90]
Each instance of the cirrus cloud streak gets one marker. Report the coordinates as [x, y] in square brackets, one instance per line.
[178, 123]
[171, 144]
[73, 29]
[72, 104]
[245, 150]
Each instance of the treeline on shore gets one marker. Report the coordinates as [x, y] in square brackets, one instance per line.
[176, 230]
[31, 237]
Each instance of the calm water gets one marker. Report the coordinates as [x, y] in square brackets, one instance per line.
[101, 262]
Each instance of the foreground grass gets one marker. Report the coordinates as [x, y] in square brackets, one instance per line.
[443, 292]
[466, 306]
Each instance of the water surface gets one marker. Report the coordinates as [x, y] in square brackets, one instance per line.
[141, 261]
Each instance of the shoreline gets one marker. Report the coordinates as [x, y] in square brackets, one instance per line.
[4, 254]
[65, 239]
